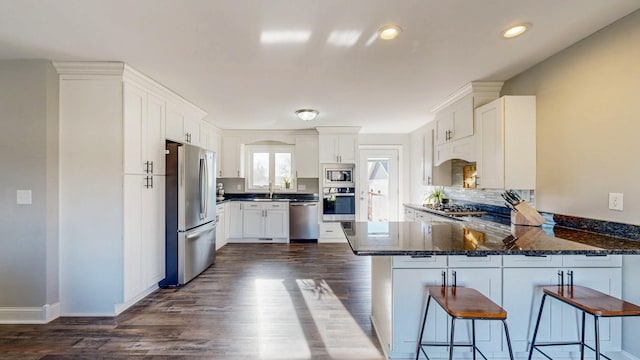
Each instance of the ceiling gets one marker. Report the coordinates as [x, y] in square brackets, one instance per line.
[223, 56]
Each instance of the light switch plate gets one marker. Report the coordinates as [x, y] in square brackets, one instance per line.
[23, 197]
[302, 187]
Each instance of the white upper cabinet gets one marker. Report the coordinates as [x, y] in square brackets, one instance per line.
[209, 139]
[306, 155]
[183, 124]
[506, 143]
[338, 148]
[144, 132]
[232, 157]
[454, 133]
[456, 121]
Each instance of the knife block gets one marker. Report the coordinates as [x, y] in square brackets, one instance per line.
[526, 215]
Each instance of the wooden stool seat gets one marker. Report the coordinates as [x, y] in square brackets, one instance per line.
[466, 303]
[589, 301]
[592, 301]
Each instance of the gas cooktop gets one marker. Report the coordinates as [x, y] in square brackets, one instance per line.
[455, 210]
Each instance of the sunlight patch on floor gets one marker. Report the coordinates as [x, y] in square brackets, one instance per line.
[279, 330]
[329, 314]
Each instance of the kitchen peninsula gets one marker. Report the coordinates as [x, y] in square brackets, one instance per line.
[505, 264]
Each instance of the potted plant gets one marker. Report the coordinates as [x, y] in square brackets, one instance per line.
[436, 196]
[287, 182]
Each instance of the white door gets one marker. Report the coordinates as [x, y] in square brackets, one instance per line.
[378, 185]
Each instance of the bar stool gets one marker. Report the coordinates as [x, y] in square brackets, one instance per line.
[462, 303]
[589, 301]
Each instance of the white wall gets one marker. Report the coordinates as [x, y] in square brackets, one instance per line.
[588, 117]
[28, 160]
[588, 123]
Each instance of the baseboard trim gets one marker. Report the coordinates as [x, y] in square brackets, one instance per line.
[121, 307]
[29, 315]
[632, 357]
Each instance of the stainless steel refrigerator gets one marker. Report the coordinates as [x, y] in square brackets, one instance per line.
[190, 232]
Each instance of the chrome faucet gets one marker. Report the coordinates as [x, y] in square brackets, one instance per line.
[270, 190]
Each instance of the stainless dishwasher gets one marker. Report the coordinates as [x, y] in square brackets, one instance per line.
[303, 220]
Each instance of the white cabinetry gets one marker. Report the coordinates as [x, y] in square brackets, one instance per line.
[336, 148]
[523, 277]
[331, 232]
[506, 143]
[454, 136]
[266, 221]
[410, 275]
[208, 137]
[144, 242]
[183, 123]
[233, 220]
[111, 197]
[221, 228]
[306, 155]
[232, 157]
[144, 131]
[455, 122]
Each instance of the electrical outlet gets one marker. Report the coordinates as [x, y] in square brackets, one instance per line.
[23, 197]
[615, 201]
[238, 187]
[302, 187]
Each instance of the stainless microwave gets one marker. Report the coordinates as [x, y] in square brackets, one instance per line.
[338, 175]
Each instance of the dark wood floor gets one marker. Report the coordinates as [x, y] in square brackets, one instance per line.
[259, 301]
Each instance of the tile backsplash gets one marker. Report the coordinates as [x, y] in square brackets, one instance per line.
[237, 185]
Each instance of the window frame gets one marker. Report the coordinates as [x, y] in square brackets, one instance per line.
[272, 150]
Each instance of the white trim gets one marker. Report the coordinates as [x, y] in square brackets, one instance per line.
[629, 356]
[112, 70]
[119, 308]
[338, 129]
[482, 88]
[29, 315]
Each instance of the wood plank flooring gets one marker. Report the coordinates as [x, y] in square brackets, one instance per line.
[259, 301]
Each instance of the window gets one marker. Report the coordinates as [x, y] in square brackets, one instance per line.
[269, 164]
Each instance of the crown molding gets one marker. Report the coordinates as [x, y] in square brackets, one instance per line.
[117, 70]
[338, 129]
[490, 89]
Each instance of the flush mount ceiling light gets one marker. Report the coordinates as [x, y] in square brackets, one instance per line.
[515, 30]
[307, 114]
[389, 32]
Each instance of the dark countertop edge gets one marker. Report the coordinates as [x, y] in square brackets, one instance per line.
[275, 200]
[482, 253]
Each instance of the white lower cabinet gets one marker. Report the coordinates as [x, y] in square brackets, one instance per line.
[408, 304]
[144, 243]
[409, 296]
[233, 220]
[265, 221]
[221, 233]
[510, 281]
[331, 232]
[523, 276]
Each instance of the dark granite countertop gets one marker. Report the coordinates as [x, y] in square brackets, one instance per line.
[444, 236]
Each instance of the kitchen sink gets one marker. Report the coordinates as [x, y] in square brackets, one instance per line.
[264, 200]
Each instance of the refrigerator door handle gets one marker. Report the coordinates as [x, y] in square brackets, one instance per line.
[202, 191]
[206, 187]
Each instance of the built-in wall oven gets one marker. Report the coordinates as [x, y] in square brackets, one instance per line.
[339, 204]
[338, 175]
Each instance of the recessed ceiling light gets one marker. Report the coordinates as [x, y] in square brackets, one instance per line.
[515, 30]
[389, 32]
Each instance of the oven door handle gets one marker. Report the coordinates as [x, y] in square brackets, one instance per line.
[339, 194]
